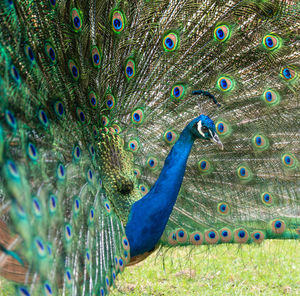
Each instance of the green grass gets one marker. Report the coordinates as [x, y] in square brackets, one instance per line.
[272, 268]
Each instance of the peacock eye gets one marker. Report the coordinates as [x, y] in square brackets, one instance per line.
[204, 129]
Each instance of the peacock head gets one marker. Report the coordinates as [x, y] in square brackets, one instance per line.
[204, 128]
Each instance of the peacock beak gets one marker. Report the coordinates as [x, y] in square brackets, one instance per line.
[216, 139]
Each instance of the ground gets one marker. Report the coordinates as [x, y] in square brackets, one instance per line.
[272, 268]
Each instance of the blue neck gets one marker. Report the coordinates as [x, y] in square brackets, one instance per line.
[148, 216]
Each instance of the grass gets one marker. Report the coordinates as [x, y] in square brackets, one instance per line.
[272, 268]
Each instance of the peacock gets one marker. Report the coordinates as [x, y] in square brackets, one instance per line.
[129, 125]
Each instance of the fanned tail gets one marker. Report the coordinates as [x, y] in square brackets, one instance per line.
[68, 235]
[93, 96]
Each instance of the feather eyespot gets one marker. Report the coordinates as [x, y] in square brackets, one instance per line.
[68, 277]
[222, 33]
[95, 131]
[170, 137]
[52, 203]
[257, 236]
[289, 161]
[52, 3]
[181, 235]
[137, 172]
[68, 232]
[110, 101]
[223, 128]
[211, 236]
[104, 121]
[143, 189]
[116, 261]
[10, 119]
[76, 153]
[126, 256]
[225, 235]
[137, 116]
[130, 69]
[244, 173]
[102, 292]
[271, 42]
[241, 236]
[114, 275]
[43, 118]
[225, 84]
[196, 238]
[12, 169]
[76, 20]
[133, 145]
[205, 166]
[29, 54]
[118, 21]
[96, 56]
[223, 208]
[50, 52]
[278, 226]
[267, 198]
[260, 142]
[125, 243]
[80, 115]
[178, 91]
[22, 291]
[74, 70]
[39, 247]
[76, 205]
[15, 74]
[87, 257]
[172, 239]
[152, 163]
[47, 289]
[107, 206]
[271, 97]
[36, 207]
[288, 73]
[59, 109]
[32, 152]
[171, 42]
[117, 128]
[91, 150]
[93, 99]
[61, 172]
[107, 283]
[90, 176]
[91, 216]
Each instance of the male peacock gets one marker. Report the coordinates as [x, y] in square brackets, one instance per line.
[94, 95]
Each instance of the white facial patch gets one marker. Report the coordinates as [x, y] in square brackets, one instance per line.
[199, 128]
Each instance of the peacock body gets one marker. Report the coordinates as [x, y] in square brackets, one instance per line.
[108, 114]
